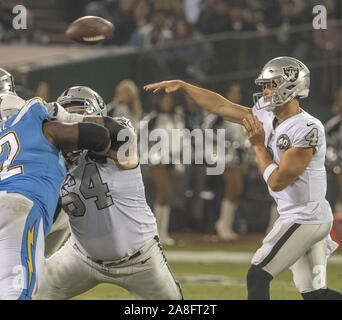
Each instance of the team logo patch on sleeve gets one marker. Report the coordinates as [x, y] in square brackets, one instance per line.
[283, 142]
[291, 73]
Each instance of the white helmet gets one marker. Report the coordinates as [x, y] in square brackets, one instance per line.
[84, 100]
[288, 79]
[10, 104]
[6, 81]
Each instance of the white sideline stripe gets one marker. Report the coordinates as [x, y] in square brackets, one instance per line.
[222, 256]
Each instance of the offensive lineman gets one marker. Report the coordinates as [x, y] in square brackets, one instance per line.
[113, 231]
[290, 149]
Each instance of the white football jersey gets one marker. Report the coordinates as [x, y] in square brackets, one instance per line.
[108, 214]
[303, 201]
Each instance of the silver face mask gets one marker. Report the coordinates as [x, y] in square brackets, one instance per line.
[6, 81]
[286, 78]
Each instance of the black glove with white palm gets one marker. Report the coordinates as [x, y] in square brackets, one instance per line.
[58, 113]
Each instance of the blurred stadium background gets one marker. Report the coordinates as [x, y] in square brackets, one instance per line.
[220, 45]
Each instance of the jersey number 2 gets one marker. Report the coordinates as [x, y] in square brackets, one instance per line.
[11, 140]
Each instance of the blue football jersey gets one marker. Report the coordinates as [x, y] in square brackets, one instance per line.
[30, 164]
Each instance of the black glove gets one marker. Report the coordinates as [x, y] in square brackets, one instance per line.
[115, 125]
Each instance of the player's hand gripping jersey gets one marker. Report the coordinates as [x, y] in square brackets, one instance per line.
[303, 201]
[30, 164]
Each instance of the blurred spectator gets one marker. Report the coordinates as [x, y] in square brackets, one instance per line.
[302, 41]
[141, 13]
[231, 18]
[195, 173]
[298, 44]
[192, 10]
[287, 14]
[71, 10]
[98, 8]
[329, 45]
[271, 10]
[191, 59]
[337, 103]
[263, 46]
[238, 21]
[6, 18]
[154, 33]
[167, 116]
[333, 129]
[123, 21]
[126, 103]
[233, 175]
[171, 9]
[258, 16]
[29, 36]
[214, 17]
[329, 40]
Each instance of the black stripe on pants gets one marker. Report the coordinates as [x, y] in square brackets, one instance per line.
[279, 244]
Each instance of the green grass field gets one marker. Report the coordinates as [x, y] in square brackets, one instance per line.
[217, 280]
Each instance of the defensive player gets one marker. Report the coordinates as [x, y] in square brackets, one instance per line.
[290, 150]
[31, 172]
[114, 235]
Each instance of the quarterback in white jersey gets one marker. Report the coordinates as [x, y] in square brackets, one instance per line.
[290, 149]
[114, 237]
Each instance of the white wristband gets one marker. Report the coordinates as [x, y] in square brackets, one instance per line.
[268, 171]
[75, 117]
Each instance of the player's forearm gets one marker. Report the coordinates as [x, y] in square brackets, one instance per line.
[263, 157]
[215, 103]
[94, 119]
[280, 177]
[275, 180]
[130, 159]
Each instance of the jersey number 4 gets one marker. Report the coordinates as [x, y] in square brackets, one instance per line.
[312, 137]
[10, 140]
[91, 186]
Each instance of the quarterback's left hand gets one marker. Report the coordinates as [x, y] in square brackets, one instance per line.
[254, 130]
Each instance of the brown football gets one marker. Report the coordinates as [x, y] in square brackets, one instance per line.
[90, 30]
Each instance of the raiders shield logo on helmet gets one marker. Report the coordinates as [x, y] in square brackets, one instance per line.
[283, 142]
[291, 73]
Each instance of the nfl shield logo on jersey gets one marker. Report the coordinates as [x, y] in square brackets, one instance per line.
[283, 142]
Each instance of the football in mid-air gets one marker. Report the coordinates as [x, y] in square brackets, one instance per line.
[90, 30]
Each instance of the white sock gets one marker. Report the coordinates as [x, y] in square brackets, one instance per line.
[162, 213]
[227, 215]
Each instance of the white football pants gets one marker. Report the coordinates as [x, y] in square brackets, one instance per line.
[21, 246]
[304, 248]
[69, 273]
